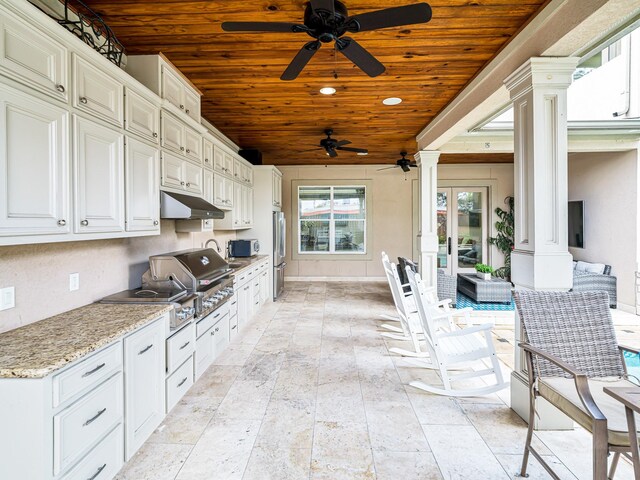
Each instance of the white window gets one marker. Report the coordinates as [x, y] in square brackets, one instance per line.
[332, 219]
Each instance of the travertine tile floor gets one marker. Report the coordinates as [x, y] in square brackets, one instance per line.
[310, 391]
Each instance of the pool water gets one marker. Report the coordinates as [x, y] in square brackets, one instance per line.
[633, 363]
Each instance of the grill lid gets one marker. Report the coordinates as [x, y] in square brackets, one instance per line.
[203, 263]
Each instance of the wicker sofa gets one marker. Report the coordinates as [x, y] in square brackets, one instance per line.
[593, 277]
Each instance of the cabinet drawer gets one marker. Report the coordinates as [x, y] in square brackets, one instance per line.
[87, 373]
[233, 305]
[85, 422]
[33, 57]
[103, 462]
[210, 319]
[178, 383]
[141, 116]
[180, 347]
[220, 335]
[96, 92]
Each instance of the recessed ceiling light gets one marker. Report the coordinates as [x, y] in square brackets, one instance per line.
[362, 153]
[392, 101]
[327, 90]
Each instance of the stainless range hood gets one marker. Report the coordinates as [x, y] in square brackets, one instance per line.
[185, 207]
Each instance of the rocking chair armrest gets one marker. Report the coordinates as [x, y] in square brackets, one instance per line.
[460, 311]
[629, 349]
[580, 379]
[442, 303]
[467, 331]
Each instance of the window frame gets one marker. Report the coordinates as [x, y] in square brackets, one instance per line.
[297, 254]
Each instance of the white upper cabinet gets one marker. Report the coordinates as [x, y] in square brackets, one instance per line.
[34, 165]
[193, 178]
[218, 160]
[247, 207]
[172, 89]
[33, 57]
[208, 186]
[141, 116]
[242, 172]
[228, 164]
[172, 171]
[192, 104]
[99, 178]
[276, 189]
[142, 179]
[96, 92]
[173, 133]
[207, 153]
[193, 145]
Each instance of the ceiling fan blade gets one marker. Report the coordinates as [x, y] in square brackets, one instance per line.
[351, 149]
[413, 165]
[310, 150]
[387, 168]
[358, 55]
[332, 153]
[326, 5]
[262, 27]
[405, 168]
[300, 60]
[393, 17]
[343, 142]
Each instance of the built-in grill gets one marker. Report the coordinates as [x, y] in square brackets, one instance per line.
[195, 282]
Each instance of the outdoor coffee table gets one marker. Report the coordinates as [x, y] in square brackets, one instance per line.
[630, 398]
[493, 290]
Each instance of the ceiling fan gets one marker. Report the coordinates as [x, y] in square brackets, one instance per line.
[328, 20]
[403, 163]
[330, 145]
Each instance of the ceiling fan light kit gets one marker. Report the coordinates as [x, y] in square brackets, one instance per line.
[328, 21]
[404, 163]
[327, 90]
[392, 101]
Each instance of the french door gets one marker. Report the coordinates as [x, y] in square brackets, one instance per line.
[462, 228]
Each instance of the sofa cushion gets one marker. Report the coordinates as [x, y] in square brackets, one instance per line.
[590, 267]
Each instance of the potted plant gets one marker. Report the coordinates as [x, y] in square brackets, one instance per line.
[484, 271]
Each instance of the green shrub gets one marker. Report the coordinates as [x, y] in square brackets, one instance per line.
[482, 268]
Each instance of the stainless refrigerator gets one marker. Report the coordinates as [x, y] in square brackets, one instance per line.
[278, 253]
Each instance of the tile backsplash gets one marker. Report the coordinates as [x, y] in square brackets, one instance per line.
[40, 273]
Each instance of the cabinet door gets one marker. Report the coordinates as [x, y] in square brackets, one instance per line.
[238, 202]
[248, 173]
[237, 170]
[228, 193]
[244, 304]
[172, 88]
[173, 133]
[218, 160]
[34, 165]
[141, 116]
[142, 187]
[193, 145]
[172, 174]
[218, 190]
[207, 153]
[192, 104]
[144, 368]
[33, 57]
[228, 164]
[264, 287]
[277, 190]
[248, 207]
[208, 186]
[99, 178]
[193, 178]
[96, 92]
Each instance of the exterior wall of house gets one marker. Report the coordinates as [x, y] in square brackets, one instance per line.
[390, 219]
[40, 273]
[608, 185]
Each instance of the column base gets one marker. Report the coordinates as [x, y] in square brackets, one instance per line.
[539, 271]
[548, 418]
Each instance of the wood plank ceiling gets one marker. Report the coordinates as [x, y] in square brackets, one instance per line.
[238, 73]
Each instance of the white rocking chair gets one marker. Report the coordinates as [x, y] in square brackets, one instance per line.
[450, 350]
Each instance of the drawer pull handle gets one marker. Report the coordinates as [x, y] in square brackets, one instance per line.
[181, 107]
[217, 329]
[91, 372]
[187, 110]
[155, 222]
[62, 223]
[182, 149]
[233, 303]
[233, 328]
[145, 349]
[60, 88]
[155, 135]
[95, 475]
[185, 345]
[246, 288]
[188, 150]
[83, 100]
[182, 381]
[84, 223]
[94, 418]
[216, 315]
[213, 332]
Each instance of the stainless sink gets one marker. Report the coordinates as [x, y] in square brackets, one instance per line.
[236, 265]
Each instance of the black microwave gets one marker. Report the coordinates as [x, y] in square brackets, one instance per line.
[243, 248]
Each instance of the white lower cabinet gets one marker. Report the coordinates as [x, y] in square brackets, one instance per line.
[103, 462]
[144, 355]
[264, 284]
[99, 178]
[178, 383]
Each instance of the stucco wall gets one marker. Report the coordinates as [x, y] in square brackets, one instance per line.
[608, 184]
[40, 273]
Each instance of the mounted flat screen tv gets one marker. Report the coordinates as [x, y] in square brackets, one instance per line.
[576, 224]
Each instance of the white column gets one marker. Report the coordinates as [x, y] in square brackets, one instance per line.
[428, 231]
[541, 259]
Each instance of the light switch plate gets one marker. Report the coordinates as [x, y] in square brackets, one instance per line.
[74, 282]
[7, 298]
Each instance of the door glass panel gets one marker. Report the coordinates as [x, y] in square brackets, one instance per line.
[469, 219]
[443, 235]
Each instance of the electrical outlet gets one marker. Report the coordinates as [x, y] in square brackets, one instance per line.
[7, 298]
[74, 282]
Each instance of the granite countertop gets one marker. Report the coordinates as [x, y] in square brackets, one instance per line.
[40, 348]
[245, 261]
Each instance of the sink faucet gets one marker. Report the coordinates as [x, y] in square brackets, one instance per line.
[206, 245]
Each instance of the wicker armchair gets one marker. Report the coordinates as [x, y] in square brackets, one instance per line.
[597, 282]
[572, 354]
[447, 287]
